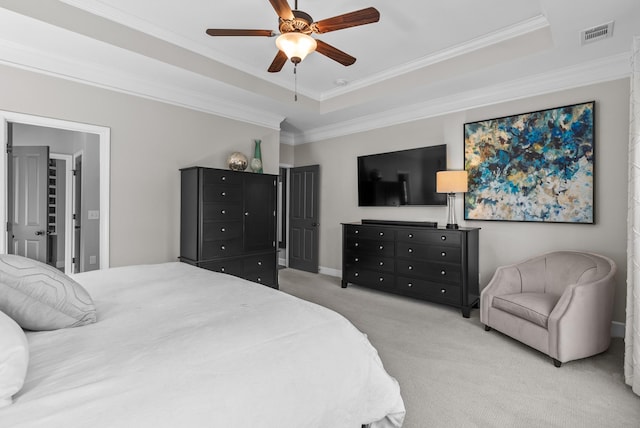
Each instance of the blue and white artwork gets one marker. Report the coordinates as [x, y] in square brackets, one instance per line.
[534, 167]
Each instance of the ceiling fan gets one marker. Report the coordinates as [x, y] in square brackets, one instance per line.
[295, 42]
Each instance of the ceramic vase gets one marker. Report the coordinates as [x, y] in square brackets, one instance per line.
[256, 161]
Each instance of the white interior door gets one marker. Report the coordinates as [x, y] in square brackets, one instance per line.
[28, 215]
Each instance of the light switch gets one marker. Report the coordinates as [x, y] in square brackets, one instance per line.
[92, 260]
[94, 214]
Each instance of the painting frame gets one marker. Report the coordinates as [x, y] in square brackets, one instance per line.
[536, 167]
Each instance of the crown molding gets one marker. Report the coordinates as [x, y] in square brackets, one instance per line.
[27, 58]
[601, 70]
[533, 24]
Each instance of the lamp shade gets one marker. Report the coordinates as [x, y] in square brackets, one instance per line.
[296, 45]
[451, 181]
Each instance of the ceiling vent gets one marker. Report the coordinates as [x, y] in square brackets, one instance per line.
[594, 34]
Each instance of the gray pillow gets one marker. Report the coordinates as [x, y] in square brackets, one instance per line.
[40, 297]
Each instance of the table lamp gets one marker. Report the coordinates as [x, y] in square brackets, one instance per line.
[451, 182]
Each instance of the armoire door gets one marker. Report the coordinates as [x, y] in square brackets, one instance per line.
[259, 212]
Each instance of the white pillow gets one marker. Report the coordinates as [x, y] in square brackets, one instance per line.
[40, 297]
[14, 359]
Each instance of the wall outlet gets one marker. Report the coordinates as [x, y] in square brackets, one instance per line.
[93, 214]
[92, 260]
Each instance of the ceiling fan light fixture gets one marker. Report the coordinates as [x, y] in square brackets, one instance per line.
[296, 45]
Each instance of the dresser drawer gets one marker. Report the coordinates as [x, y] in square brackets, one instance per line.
[222, 193]
[221, 248]
[429, 290]
[371, 278]
[215, 231]
[222, 211]
[232, 267]
[441, 272]
[379, 248]
[210, 176]
[440, 237]
[429, 252]
[369, 232]
[369, 261]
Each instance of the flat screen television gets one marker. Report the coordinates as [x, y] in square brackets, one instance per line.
[405, 177]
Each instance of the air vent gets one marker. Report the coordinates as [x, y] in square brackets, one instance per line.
[594, 34]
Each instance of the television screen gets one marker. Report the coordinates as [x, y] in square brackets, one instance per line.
[406, 177]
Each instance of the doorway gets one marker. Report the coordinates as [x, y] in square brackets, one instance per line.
[96, 212]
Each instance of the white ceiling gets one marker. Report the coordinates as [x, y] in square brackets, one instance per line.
[422, 58]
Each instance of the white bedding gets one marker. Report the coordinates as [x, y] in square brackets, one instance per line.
[179, 346]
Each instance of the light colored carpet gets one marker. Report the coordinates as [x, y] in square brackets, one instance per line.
[454, 374]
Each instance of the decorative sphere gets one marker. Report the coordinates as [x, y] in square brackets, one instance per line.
[237, 161]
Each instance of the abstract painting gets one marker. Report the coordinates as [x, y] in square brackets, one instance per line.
[533, 167]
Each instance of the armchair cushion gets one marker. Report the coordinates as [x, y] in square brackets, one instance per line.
[533, 307]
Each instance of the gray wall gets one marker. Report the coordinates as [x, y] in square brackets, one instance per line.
[500, 242]
[150, 142]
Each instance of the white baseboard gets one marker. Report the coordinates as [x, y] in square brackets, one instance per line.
[617, 328]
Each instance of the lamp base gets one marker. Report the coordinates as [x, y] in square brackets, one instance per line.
[452, 226]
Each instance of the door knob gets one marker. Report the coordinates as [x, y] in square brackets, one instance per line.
[39, 232]
[314, 224]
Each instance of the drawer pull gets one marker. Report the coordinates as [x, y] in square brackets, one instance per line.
[381, 247]
[381, 263]
[356, 244]
[246, 213]
[443, 238]
[381, 279]
[356, 259]
[443, 272]
[224, 193]
[223, 178]
[223, 211]
[443, 254]
[259, 279]
[410, 235]
[356, 274]
[356, 231]
[222, 269]
[410, 267]
[259, 263]
[410, 285]
[381, 233]
[222, 229]
[443, 291]
[410, 250]
[222, 247]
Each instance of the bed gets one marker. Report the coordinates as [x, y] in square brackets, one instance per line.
[179, 346]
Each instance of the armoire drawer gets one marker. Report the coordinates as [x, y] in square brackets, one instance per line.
[217, 177]
[215, 231]
[232, 266]
[222, 212]
[221, 248]
[222, 193]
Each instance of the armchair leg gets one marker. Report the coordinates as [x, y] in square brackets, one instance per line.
[487, 328]
[556, 363]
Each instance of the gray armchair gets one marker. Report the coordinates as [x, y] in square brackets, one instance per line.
[559, 303]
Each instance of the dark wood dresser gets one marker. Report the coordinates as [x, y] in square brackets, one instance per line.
[228, 223]
[412, 259]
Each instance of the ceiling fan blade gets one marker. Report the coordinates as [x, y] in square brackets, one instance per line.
[278, 62]
[352, 19]
[282, 8]
[334, 53]
[234, 32]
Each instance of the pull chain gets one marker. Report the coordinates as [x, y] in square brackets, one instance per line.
[295, 78]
